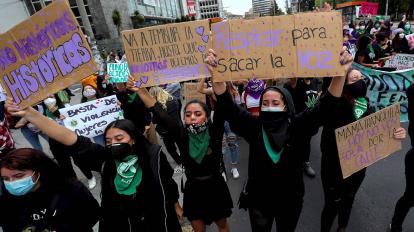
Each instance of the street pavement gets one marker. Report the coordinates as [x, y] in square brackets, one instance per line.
[373, 207]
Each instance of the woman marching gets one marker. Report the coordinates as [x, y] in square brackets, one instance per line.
[275, 186]
[340, 193]
[206, 196]
[406, 201]
[138, 192]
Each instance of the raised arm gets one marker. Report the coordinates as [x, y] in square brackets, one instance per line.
[166, 120]
[241, 122]
[337, 83]
[47, 126]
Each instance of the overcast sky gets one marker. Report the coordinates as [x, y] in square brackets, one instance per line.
[241, 6]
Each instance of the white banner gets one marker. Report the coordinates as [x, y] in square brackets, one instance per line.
[90, 119]
[401, 62]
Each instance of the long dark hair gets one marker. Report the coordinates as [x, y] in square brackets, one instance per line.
[52, 175]
[130, 128]
[363, 42]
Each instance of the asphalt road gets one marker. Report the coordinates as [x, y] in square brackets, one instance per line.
[373, 207]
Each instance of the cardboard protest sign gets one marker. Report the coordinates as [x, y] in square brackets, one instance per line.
[368, 140]
[302, 45]
[44, 54]
[91, 118]
[410, 39]
[387, 88]
[118, 72]
[401, 61]
[191, 93]
[167, 53]
[369, 8]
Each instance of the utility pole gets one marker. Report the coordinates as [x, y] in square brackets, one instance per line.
[386, 8]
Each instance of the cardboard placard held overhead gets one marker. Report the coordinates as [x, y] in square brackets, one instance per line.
[44, 54]
[91, 118]
[168, 53]
[191, 93]
[302, 45]
[368, 140]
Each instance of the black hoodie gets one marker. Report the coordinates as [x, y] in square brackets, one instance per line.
[271, 185]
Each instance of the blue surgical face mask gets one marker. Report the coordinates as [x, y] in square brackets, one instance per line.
[21, 186]
[273, 108]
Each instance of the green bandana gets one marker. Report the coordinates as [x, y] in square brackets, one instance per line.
[131, 97]
[49, 114]
[198, 145]
[274, 155]
[129, 175]
[361, 106]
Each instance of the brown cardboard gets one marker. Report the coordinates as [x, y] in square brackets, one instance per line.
[191, 93]
[51, 40]
[368, 140]
[167, 53]
[302, 45]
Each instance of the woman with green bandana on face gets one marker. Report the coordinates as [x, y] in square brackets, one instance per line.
[138, 192]
[206, 196]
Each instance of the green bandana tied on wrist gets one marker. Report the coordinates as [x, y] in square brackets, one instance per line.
[198, 145]
[128, 176]
[361, 106]
[274, 155]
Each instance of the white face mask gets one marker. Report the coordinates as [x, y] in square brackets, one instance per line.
[362, 27]
[89, 92]
[50, 101]
[401, 35]
[357, 27]
[273, 108]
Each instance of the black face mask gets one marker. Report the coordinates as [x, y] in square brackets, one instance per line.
[276, 126]
[119, 150]
[357, 89]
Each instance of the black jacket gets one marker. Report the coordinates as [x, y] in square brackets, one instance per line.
[211, 164]
[269, 184]
[70, 209]
[173, 110]
[339, 116]
[410, 96]
[134, 110]
[154, 201]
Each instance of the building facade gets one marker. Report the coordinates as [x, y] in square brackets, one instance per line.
[13, 12]
[294, 4]
[207, 9]
[262, 7]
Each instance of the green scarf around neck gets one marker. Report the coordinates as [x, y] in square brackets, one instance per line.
[198, 145]
[131, 97]
[361, 106]
[274, 155]
[128, 175]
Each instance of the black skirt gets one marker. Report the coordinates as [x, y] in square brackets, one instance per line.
[208, 200]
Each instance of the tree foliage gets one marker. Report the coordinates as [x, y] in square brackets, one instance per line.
[116, 19]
